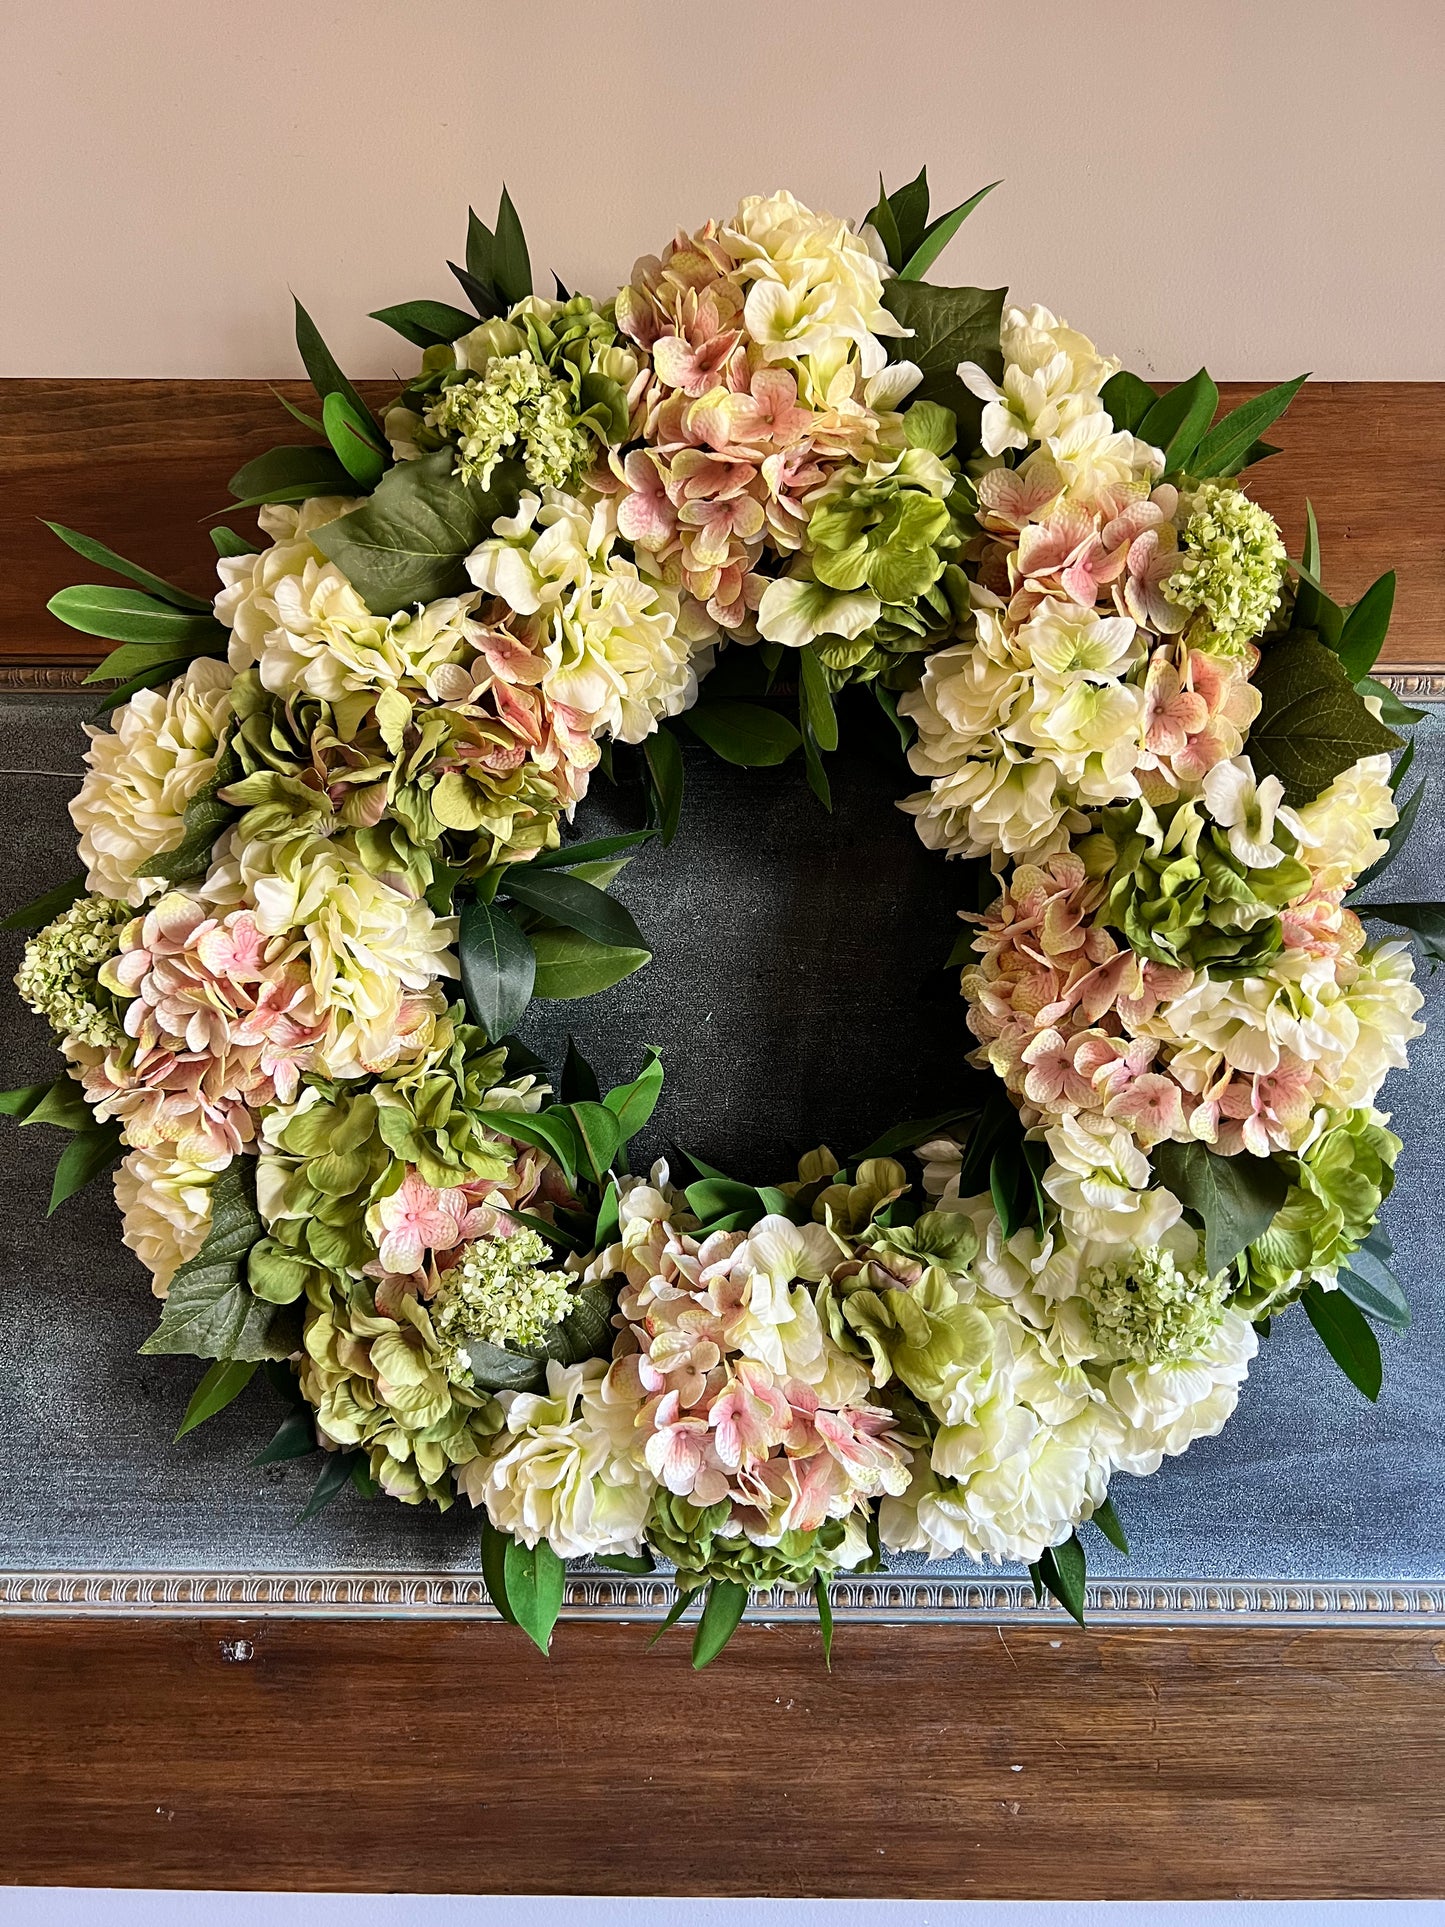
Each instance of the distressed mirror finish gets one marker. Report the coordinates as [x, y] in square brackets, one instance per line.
[796, 1000]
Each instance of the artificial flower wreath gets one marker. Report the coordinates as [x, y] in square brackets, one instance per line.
[325, 871]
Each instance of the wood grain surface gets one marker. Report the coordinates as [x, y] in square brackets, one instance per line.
[933, 1761]
[143, 465]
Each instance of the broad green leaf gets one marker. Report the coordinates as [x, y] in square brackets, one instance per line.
[410, 541]
[599, 1135]
[1367, 1281]
[1177, 420]
[950, 325]
[743, 733]
[1347, 1338]
[128, 615]
[224, 1381]
[1365, 627]
[494, 1568]
[718, 1197]
[586, 1331]
[210, 1310]
[570, 964]
[1236, 1197]
[1312, 724]
[1128, 398]
[535, 1580]
[1064, 1572]
[1107, 1520]
[107, 558]
[550, 1129]
[634, 1103]
[498, 967]
[227, 543]
[23, 1100]
[825, 1617]
[294, 1438]
[663, 754]
[85, 1157]
[289, 475]
[938, 234]
[352, 436]
[608, 1218]
[1425, 920]
[496, 1368]
[326, 377]
[331, 1482]
[426, 323]
[1224, 448]
[817, 702]
[511, 264]
[205, 819]
[47, 907]
[572, 854]
[569, 900]
[724, 1606]
[579, 1080]
[61, 1104]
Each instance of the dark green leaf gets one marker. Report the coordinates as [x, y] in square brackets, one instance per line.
[497, 1368]
[498, 967]
[331, 1482]
[1366, 626]
[570, 964]
[743, 733]
[594, 850]
[85, 1157]
[551, 1130]
[1347, 1338]
[224, 1381]
[128, 615]
[598, 1135]
[205, 819]
[351, 435]
[536, 1578]
[950, 325]
[1064, 1571]
[1224, 448]
[888, 703]
[227, 543]
[1312, 724]
[909, 207]
[1128, 400]
[1177, 420]
[410, 541]
[151, 678]
[326, 377]
[46, 908]
[426, 323]
[579, 1080]
[481, 254]
[1036, 1580]
[23, 1100]
[724, 1606]
[361, 1479]
[61, 1104]
[1367, 1281]
[608, 1220]
[1002, 1186]
[1236, 1197]
[634, 1103]
[884, 223]
[481, 294]
[494, 1568]
[1107, 1520]
[210, 1310]
[663, 753]
[586, 1331]
[289, 475]
[157, 585]
[938, 234]
[825, 1617]
[903, 1137]
[1396, 836]
[1426, 920]
[813, 769]
[638, 1564]
[294, 1438]
[571, 901]
[717, 1197]
[1392, 710]
[511, 264]
[674, 1612]
[817, 702]
[144, 664]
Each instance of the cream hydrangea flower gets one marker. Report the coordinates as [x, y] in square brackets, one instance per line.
[165, 1207]
[327, 643]
[1339, 831]
[1100, 1181]
[1052, 375]
[247, 603]
[164, 746]
[616, 654]
[565, 1471]
[1167, 1405]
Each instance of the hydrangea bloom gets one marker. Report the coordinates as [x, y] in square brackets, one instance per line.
[59, 974]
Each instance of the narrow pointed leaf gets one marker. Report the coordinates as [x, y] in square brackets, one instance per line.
[723, 1608]
[1425, 920]
[663, 754]
[1222, 450]
[227, 543]
[1128, 398]
[743, 733]
[1347, 1337]
[536, 1579]
[289, 474]
[107, 558]
[85, 1157]
[427, 324]
[633, 1104]
[1107, 1520]
[595, 848]
[1064, 1571]
[294, 1438]
[494, 1568]
[569, 900]
[674, 1612]
[1178, 420]
[938, 234]
[570, 964]
[226, 1380]
[1367, 1281]
[825, 1617]
[637, 1564]
[1366, 626]
[910, 213]
[579, 1080]
[321, 366]
[128, 615]
[512, 269]
[45, 908]
[885, 225]
[817, 702]
[1395, 837]
[332, 1481]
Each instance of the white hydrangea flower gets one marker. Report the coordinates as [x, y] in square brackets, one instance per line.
[327, 643]
[1100, 1181]
[1165, 1407]
[1339, 830]
[162, 747]
[1052, 374]
[165, 1207]
[247, 603]
[566, 1471]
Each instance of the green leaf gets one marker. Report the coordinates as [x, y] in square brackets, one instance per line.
[46, 907]
[289, 475]
[428, 324]
[909, 208]
[903, 1137]
[712, 1198]
[1064, 1571]
[1002, 1188]
[511, 264]
[1367, 1281]
[22, 1101]
[298, 414]
[61, 1104]
[938, 234]
[1392, 710]
[633, 1104]
[724, 1606]
[1396, 836]
[498, 967]
[743, 733]
[888, 702]
[497, 1368]
[813, 768]
[210, 1310]
[410, 541]
[331, 1482]
[1366, 626]
[1036, 1580]
[586, 1331]
[638, 1564]
[884, 223]
[227, 543]
[949, 325]
[825, 1617]
[817, 702]
[128, 615]
[494, 1568]
[674, 1612]
[599, 1134]
[326, 377]
[224, 1381]
[579, 1080]
[535, 1579]
[1347, 1338]
[570, 964]
[1177, 420]
[1236, 1197]
[571, 854]
[663, 754]
[1107, 1520]
[106, 558]
[1308, 601]
[205, 819]
[608, 1218]
[1128, 399]
[481, 256]
[1425, 920]
[294, 1438]
[144, 664]
[351, 435]
[85, 1157]
[568, 900]
[1312, 724]
[1224, 448]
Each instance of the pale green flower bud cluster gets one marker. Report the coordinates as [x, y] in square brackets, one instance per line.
[1149, 1308]
[1231, 568]
[502, 1293]
[513, 404]
[57, 977]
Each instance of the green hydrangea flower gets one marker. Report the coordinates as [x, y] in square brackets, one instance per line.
[502, 1292]
[59, 974]
[1179, 895]
[1231, 568]
[693, 1538]
[514, 405]
[1337, 1187]
[1150, 1308]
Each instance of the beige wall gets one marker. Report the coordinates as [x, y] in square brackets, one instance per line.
[1256, 182]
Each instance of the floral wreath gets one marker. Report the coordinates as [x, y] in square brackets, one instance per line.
[325, 872]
